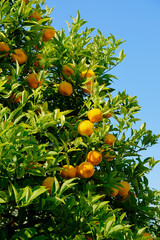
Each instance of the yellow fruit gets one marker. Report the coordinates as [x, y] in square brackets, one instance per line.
[48, 183]
[33, 80]
[35, 15]
[87, 74]
[95, 115]
[20, 56]
[37, 63]
[68, 70]
[147, 235]
[4, 48]
[123, 191]
[109, 139]
[86, 128]
[114, 192]
[48, 34]
[65, 88]
[94, 157]
[86, 169]
[68, 172]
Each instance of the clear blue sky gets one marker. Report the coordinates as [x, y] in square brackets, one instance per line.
[137, 22]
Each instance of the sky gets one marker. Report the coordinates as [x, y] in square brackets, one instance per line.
[137, 22]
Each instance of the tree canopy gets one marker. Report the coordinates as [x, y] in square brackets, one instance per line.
[71, 162]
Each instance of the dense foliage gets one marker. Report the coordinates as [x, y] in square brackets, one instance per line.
[40, 133]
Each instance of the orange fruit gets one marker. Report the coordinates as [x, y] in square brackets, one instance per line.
[37, 63]
[48, 34]
[65, 88]
[32, 165]
[26, 1]
[88, 238]
[48, 183]
[38, 46]
[35, 15]
[86, 128]
[4, 48]
[94, 157]
[88, 86]
[69, 172]
[33, 80]
[108, 115]
[14, 98]
[109, 139]
[95, 115]
[110, 155]
[39, 109]
[114, 192]
[11, 123]
[123, 191]
[77, 172]
[13, 224]
[87, 74]
[20, 56]
[86, 170]
[68, 70]
[147, 235]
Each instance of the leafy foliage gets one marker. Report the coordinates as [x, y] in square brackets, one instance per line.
[39, 134]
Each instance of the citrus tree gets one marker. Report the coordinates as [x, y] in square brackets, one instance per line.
[71, 164]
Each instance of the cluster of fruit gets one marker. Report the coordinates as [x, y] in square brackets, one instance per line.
[122, 191]
[86, 169]
[20, 56]
[65, 88]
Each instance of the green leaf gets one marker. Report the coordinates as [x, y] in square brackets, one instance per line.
[122, 216]
[65, 145]
[36, 193]
[116, 228]
[56, 186]
[67, 184]
[101, 205]
[42, 237]
[109, 222]
[12, 115]
[24, 97]
[2, 200]
[15, 193]
[79, 237]
[140, 231]
[26, 233]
